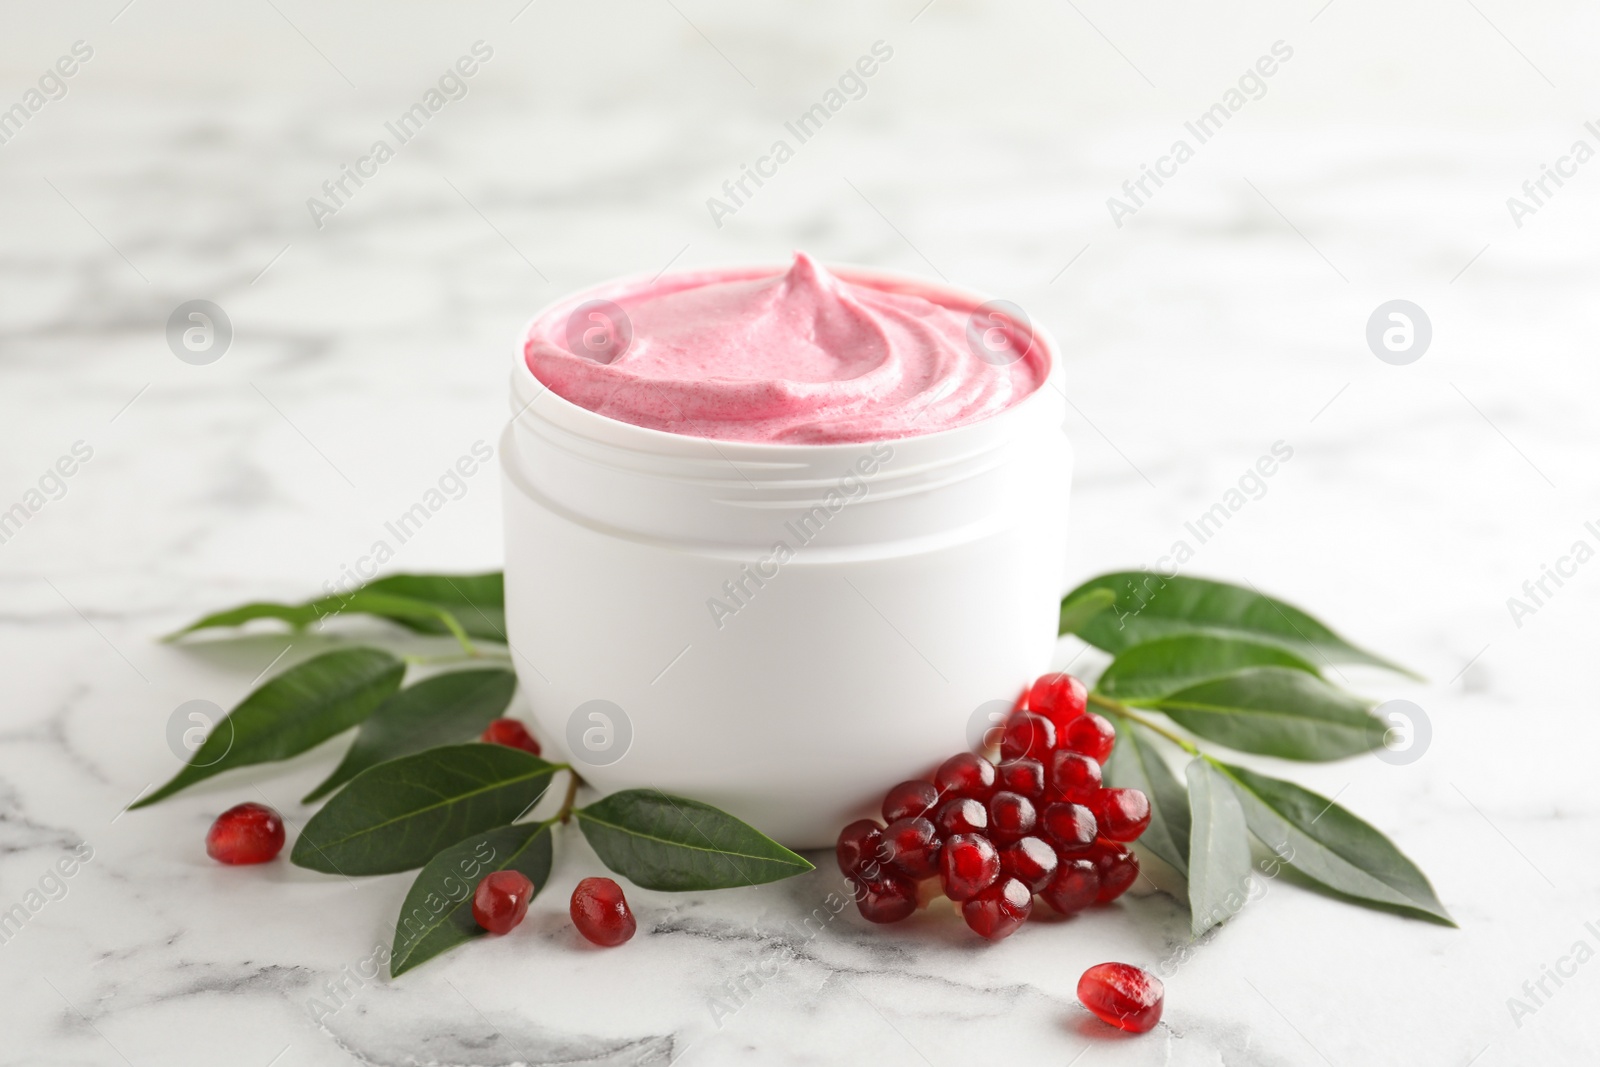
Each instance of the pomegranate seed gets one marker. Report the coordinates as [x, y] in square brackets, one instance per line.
[501, 900]
[860, 846]
[512, 734]
[1031, 861]
[966, 775]
[600, 912]
[1091, 735]
[1074, 777]
[1059, 698]
[1122, 814]
[245, 833]
[969, 865]
[1011, 816]
[1000, 910]
[1025, 776]
[1122, 995]
[911, 847]
[886, 899]
[1118, 868]
[1075, 885]
[1027, 736]
[910, 800]
[1070, 826]
[962, 815]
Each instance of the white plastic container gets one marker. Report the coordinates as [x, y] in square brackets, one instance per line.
[873, 597]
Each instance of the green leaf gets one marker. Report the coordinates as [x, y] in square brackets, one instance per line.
[399, 815]
[477, 600]
[664, 842]
[1076, 612]
[437, 914]
[292, 712]
[460, 604]
[1149, 606]
[1135, 763]
[1167, 664]
[1330, 845]
[441, 710]
[1275, 711]
[1219, 848]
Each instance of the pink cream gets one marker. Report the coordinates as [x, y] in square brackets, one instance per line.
[800, 357]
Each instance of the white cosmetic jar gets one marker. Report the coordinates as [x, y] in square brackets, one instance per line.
[781, 630]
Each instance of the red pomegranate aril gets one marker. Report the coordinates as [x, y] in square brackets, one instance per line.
[245, 833]
[910, 800]
[1123, 996]
[1074, 777]
[1027, 736]
[1071, 827]
[1025, 776]
[963, 815]
[966, 775]
[1091, 734]
[1123, 814]
[860, 846]
[886, 899]
[1000, 910]
[911, 847]
[1074, 886]
[512, 734]
[1059, 698]
[501, 900]
[969, 864]
[600, 912]
[1031, 861]
[1011, 816]
[1118, 868]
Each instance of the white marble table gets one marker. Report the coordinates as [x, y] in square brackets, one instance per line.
[1226, 314]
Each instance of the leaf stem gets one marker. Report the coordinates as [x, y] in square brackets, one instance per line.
[567, 802]
[1117, 707]
[476, 656]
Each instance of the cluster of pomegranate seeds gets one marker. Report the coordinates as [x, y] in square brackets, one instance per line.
[245, 833]
[1122, 995]
[1038, 824]
[512, 734]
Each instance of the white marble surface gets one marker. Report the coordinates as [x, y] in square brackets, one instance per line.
[1226, 315]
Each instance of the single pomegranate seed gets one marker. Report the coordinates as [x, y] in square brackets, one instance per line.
[1074, 777]
[501, 900]
[969, 865]
[886, 899]
[1025, 776]
[998, 911]
[600, 912]
[1027, 736]
[1070, 826]
[911, 847]
[910, 800]
[1074, 886]
[962, 815]
[245, 833]
[965, 775]
[1011, 816]
[1059, 698]
[1118, 868]
[860, 846]
[1122, 995]
[1091, 735]
[1031, 861]
[512, 734]
[1122, 814]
